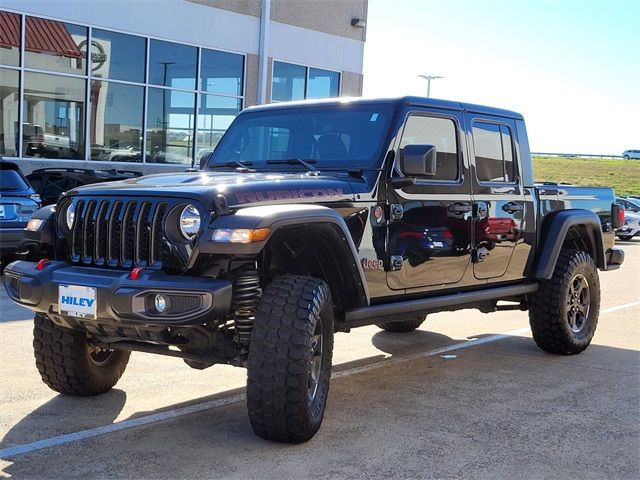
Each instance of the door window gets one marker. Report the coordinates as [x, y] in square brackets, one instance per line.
[494, 153]
[440, 132]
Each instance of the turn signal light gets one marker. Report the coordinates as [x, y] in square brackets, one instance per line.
[240, 235]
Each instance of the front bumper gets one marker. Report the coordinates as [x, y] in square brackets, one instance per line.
[118, 297]
[12, 240]
[615, 257]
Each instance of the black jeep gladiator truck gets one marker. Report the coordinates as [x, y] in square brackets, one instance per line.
[311, 218]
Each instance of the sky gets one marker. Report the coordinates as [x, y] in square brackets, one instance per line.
[572, 68]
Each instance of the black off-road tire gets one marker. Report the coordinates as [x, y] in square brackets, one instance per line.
[294, 314]
[403, 326]
[625, 238]
[69, 364]
[550, 310]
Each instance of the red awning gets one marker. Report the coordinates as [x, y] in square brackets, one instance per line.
[9, 30]
[42, 36]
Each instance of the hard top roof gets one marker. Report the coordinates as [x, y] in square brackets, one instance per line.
[394, 101]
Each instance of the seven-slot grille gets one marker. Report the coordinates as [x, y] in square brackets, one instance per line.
[118, 233]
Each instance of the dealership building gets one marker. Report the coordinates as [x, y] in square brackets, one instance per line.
[151, 85]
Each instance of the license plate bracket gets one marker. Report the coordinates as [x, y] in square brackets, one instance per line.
[77, 301]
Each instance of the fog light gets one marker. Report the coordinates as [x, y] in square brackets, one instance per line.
[160, 303]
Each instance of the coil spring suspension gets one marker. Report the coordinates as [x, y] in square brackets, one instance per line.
[246, 293]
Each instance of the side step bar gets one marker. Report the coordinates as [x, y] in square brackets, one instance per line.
[360, 317]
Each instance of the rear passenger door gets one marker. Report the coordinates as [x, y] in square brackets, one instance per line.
[499, 201]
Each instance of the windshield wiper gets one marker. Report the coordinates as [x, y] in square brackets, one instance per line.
[295, 161]
[232, 163]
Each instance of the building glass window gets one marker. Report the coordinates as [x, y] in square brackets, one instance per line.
[214, 117]
[288, 82]
[115, 122]
[172, 65]
[66, 79]
[493, 153]
[170, 122]
[9, 102]
[322, 83]
[221, 72]
[297, 82]
[9, 39]
[439, 132]
[55, 46]
[54, 109]
[117, 56]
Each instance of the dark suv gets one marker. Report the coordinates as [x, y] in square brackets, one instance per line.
[18, 203]
[311, 218]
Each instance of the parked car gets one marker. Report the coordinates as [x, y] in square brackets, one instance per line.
[282, 240]
[630, 204]
[631, 226]
[634, 154]
[18, 202]
[50, 183]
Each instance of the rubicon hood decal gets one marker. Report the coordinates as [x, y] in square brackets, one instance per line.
[238, 188]
[303, 193]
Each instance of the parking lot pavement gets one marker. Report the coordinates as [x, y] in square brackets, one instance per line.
[455, 399]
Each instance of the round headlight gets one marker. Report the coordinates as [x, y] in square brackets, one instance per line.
[189, 222]
[70, 215]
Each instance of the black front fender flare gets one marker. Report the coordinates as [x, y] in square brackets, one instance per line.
[277, 217]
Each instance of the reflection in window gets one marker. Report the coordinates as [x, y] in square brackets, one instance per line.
[55, 46]
[171, 63]
[170, 122]
[322, 83]
[117, 56]
[9, 112]
[9, 38]
[493, 152]
[440, 132]
[116, 122]
[288, 82]
[221, 72]
[53, 116]
[214, 117]
[296, 82]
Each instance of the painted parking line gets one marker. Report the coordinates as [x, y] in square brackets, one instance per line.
[200, 407]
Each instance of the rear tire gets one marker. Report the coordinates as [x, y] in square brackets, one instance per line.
[625, 238]
[564, 311]
[403, 326]
[289, 364]
[68, 363]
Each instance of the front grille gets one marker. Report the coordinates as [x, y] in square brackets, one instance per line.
[119, 233]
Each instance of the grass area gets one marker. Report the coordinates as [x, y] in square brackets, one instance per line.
[621, 175]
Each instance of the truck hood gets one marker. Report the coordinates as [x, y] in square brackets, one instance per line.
[252, 188]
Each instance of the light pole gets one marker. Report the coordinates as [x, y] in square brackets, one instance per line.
[164, 103]
[428, 78]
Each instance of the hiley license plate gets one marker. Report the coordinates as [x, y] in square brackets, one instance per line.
[1, 211]
[77, 301]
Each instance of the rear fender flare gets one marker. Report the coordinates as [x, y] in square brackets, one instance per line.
[554, 232]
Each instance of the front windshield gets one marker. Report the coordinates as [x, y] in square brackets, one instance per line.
[341, 136]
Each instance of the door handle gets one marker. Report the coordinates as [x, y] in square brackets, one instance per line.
[459, 208]
[512, 207]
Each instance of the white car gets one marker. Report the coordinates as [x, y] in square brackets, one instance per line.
[631, 226]
[633, 154]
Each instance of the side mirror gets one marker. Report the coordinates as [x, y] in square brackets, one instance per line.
[204, 158]
[418, 160]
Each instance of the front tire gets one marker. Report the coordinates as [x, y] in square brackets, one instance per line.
[289, 364]
[403, 326]
[564, 311]
[70, 364]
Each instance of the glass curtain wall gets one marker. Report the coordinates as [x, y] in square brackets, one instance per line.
[84, 92]
[297, 82]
